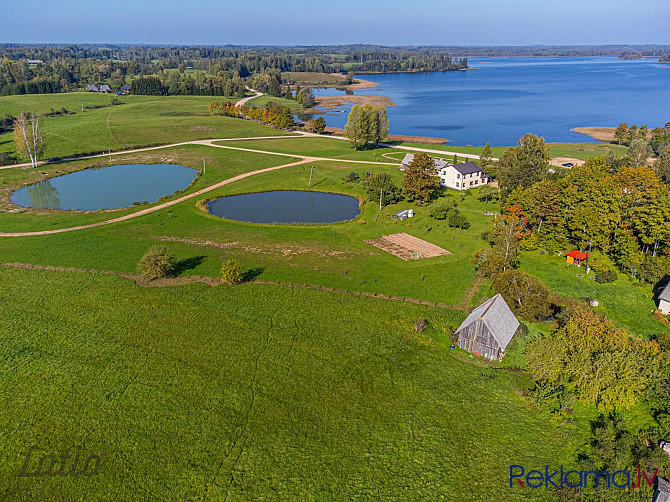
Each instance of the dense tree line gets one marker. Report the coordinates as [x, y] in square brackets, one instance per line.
[72, 67]
[624, 214]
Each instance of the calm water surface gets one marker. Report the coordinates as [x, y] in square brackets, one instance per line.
[286, 206]
[106, 188]
[506, 98]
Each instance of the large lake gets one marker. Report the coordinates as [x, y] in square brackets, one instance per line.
[505, 98]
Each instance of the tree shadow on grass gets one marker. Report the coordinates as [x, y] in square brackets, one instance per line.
[252, 274]
[660, 286]
[188, 264]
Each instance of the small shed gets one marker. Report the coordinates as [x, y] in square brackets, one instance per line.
[488, 329]
[105, 88]
[92, 87]
[664, 300]
[662, 491]
[403, 214]
[126, 89]
[576, 257]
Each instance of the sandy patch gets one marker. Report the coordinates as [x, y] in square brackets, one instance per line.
[407, 247]
[559, 161]
[360, 83]
[201, 128]
[599, 133]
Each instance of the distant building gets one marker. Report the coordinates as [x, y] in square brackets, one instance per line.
[34, 61]
[126, 89]
[91, 87]
[488, 329]
[662, 491]
[664, 300]
[105, 88]
[457, 176]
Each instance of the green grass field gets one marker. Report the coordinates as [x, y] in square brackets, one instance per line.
[261, 101]
[627, 305]
[581, 151]
[260, 392]
[137, 121]
[311, 78]
[253, 393]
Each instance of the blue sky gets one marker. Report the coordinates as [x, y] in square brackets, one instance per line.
[292, 22]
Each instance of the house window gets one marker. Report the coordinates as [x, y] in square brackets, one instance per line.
[476, 182]
[458, 177]
[457, 184]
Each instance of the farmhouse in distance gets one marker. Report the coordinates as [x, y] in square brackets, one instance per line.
[488, 329]
[457, 176]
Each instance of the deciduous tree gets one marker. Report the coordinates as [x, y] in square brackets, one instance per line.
[28, 137]
[421, 180]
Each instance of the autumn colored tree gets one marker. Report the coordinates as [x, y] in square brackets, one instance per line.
[421, 180]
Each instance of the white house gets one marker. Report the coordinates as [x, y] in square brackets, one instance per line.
[664, 300]
[457, 176]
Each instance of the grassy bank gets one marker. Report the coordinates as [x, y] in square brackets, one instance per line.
[253, 392]
[137, 121]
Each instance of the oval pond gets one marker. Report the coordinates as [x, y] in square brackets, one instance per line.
[286, 206]
[106, 187]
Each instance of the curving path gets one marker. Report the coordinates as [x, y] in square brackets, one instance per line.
[159, 206]
[211, 143]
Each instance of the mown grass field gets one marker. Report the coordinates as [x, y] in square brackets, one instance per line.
[627, 305]
[312, 78]
[253, 393]
[261, 101]
[327, 255]
[137, 121]
[581, 151]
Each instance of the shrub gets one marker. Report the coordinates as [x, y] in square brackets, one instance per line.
[420, 325]
[352, 177]
[6, 159]
[158, 262]
[457, 220]
[440, 210]
[231, 272]
[606, 276]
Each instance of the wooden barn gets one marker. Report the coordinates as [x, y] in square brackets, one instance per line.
[488, 329]
[662, 491]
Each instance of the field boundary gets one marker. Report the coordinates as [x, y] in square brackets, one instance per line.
[215, 281]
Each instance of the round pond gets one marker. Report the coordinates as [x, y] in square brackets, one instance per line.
[286, 206]
[106, 187]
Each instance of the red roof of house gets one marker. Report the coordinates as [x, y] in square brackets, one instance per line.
[577, 255]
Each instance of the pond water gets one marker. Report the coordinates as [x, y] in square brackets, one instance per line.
[106, 187]
[505, 98]
[286, 206]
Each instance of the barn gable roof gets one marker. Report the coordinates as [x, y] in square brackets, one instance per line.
[665, 294]
[662, 491]
[498, 318]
